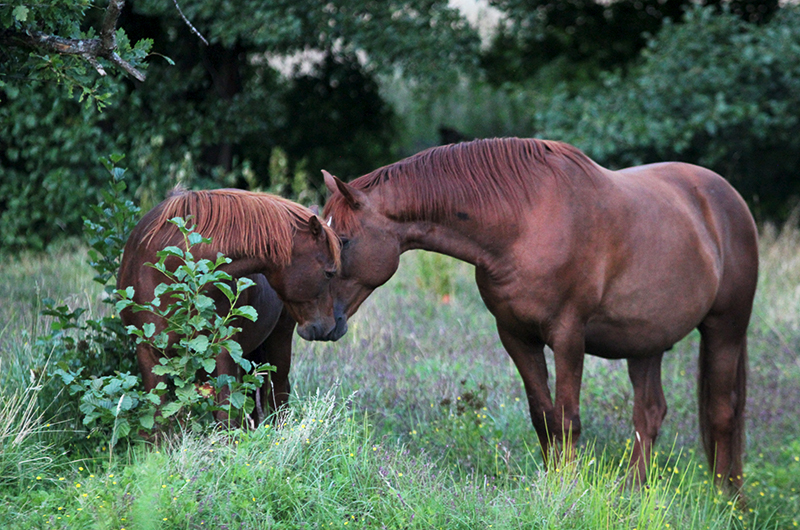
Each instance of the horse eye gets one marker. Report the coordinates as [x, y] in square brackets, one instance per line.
[344, 241]
[330, 274]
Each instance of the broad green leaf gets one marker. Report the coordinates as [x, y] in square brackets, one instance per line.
[122, 429]
[199, 344]
[170, 408]
[204, 303]
[245, 311]
[195, 238]
[147, 421]
[244, 283]
[170, 251]
[209, 365]
[237, 400]
[226, 290]
[20, 13]
[249, 405]
[187, 394]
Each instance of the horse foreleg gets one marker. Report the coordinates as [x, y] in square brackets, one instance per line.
[528, 356]
[568, 351]
[225, 366]
[277, 351]
[649, 409]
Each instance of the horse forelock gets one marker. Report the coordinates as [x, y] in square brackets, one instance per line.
[241, 224]
[491, 176]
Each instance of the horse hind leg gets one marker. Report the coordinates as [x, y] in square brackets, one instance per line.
[649, 410]
[722, 383]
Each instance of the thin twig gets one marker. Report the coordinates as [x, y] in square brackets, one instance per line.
[186, 20]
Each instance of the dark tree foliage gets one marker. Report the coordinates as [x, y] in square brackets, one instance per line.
[588, 36]
[715, 91]
[208, 115]
[338, 121]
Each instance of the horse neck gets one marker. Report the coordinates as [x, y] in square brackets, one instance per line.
[468, 235]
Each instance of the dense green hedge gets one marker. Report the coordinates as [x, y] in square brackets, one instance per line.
[715, 91]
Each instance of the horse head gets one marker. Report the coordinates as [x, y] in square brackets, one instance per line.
[370, 251]
[305, 286]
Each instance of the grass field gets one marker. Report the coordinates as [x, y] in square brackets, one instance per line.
[415, 419]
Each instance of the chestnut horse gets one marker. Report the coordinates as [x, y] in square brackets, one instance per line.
[568, 254]
[280, 245]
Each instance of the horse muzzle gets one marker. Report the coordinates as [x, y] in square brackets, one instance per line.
[320, 332]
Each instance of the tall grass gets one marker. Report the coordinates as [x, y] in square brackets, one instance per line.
[23, 451]
[421, 422]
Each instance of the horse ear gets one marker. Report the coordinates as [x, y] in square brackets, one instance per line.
[315, 227]
[353, 196]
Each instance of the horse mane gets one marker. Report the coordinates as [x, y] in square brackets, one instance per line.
[241, 224]
[498, 175]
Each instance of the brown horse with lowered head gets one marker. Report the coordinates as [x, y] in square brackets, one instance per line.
[280, 245]
[568, 254]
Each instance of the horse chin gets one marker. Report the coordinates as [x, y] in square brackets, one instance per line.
[338, 331]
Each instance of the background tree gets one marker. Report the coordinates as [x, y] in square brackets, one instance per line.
[715, 91]
[45, 41]
[581, 38]
[49, 141]
[278, 90]
[217, 115]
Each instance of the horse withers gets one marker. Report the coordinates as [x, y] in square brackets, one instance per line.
[282, 246]
[568, 254]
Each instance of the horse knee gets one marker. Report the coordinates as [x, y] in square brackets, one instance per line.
[572, 427]
[722, 421]
[655, 417]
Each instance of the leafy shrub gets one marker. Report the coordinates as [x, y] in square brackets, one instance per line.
[715, 91]
[99, 345]
[117, 405]
[83, 347]
[202, 333]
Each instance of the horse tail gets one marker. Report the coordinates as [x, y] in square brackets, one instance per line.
[707, 419]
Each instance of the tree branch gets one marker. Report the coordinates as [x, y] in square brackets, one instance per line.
[90, 49]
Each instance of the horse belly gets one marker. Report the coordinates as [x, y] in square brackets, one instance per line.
[640, 339]
[652, 316]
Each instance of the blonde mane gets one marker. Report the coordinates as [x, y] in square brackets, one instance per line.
[241, 224]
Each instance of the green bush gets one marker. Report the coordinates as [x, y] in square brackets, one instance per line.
[715, 91]
[202, 333]
[101, 344]
[84, 350]
[116, 404]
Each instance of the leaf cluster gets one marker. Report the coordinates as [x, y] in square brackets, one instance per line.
[48, 42]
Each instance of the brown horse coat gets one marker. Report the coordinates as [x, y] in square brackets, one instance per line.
[568, 254]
